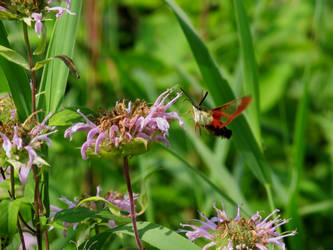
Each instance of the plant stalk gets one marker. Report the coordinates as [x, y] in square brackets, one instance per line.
[31, 64]
[37, 209]
[12, 195]
[130, 194]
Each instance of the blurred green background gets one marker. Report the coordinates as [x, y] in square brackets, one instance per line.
[136, 49]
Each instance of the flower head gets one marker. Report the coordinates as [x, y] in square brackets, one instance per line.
[119, 200]
[32, 11]
[127, 129]
[19, 143]
[238, 233]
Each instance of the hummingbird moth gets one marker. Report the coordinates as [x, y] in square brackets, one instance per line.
[216, 120]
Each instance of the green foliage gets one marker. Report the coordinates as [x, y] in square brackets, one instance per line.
[281, 150]
[54, 78]
[13, 56]
[17, 81]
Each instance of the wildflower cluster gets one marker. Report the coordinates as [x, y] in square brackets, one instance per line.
[238, 233]
[32, 11]
[127, 129]
[119, 200]
[19, 142]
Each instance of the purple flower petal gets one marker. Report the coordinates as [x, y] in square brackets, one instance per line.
[112, 131]
[32, 155]
[99, 140]
[24, 172]
[84, 148]
[143, 135]
[6, 145]
[43, 137]
[179, 94]
[38, 25]
[17, 141]
[112, 224]
[60, 10]
[68, 4]
[12, 114]
[162, 124]
[75, 128]
[92, 133]
[174, 115]
[161, 138]
[29, 241]
[68, 202]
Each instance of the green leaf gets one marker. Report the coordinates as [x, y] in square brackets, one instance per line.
[4, 15]
[13, 209]
[153, 234]
[221, 92]
[106, 215]
[17, 80]
[13, 56]
[68, 116]
[4, 204]
[68, 62]
[8, 215]
[249, 66]
[65, 117]
[113, 208]
[158, 236]
[4, 88]
[73, 215]
[298, 151]
[42, 44]
[54, 78]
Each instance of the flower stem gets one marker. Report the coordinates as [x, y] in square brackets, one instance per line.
[12, 194]
[37, 208]
[31, 64]
[130, 194]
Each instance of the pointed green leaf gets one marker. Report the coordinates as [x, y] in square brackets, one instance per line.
[155, 235]
[113, 208]
[55, 73]
[221, 92]
[17, 80]
[249, 66]
[73, 215]
[13, 56]
[68, 62]
[158, 236]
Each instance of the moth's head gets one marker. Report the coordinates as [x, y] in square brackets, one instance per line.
[195, 106]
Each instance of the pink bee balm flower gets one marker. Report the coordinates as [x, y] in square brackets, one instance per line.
[238, 233]
[128, 128]
[19, 142]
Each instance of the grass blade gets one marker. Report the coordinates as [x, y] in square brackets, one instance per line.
[221, 92]
[54, 78]
[297, 166]
[249, 66]
[17, 80]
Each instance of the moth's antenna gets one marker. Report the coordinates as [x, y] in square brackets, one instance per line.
[189, 98]
[202, 100]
